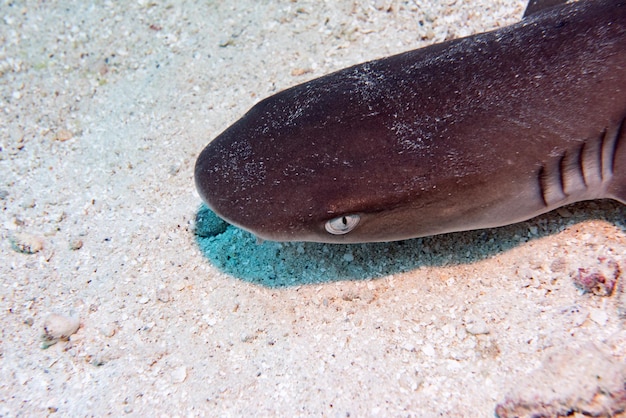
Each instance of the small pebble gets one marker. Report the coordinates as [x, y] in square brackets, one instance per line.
[63, 135]
[108, 330]
[58, 327]
[226, 42]
[384, 5]
[300, 71]
[164, 295]
[26, 243]
[578, 315]
[408, 347]
[429, 350]
[599, 280]
[599, 316]
[476, 326]
[76, 244]
[180, 374]
[174, 169]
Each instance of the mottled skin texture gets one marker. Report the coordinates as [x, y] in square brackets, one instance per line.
[477, 132]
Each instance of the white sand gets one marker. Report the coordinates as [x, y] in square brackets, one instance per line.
[104, 109]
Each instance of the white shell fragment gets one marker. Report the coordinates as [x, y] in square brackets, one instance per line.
[58, 327]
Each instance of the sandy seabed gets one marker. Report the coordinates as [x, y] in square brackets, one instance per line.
[104, 108]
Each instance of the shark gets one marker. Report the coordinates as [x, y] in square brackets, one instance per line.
[477, 132]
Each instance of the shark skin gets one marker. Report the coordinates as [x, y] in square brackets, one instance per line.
[477, 132]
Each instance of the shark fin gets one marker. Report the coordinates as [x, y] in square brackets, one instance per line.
[535, 6]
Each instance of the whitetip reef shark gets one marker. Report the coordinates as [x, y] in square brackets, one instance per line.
[477, 132]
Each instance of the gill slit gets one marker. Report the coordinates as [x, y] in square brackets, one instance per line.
[562, 173]
[581, 163]
[620, 133]
[542, 186]
[585, 175]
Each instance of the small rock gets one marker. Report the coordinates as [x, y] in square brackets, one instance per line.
[108, 330]
[26, 243]
[76, 244]
[577, 314]
[429, 350]
[174, 169]
[599, 316]
[476, 326]
[164, 295]
[63, 135]
[408, 347]
[599, 280]
[383, 5]
[408, 383]
[226, 42]
[558, 265]
[58, 327]
[300, 71]
[179, 374]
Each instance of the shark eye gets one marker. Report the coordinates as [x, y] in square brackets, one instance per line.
[343, 224]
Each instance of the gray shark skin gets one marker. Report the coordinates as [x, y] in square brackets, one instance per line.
[478, 132]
